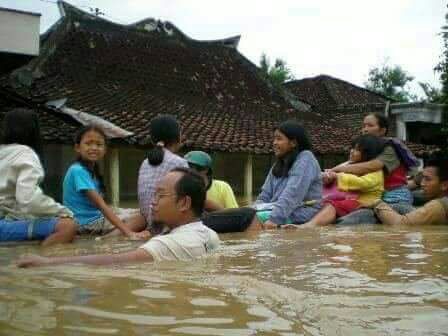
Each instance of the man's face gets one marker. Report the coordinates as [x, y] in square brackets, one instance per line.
[167, 209]
[432, 186]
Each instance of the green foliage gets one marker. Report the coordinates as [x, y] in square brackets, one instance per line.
[276, 74]
[442, 68]
[432, 94]
[390, 81]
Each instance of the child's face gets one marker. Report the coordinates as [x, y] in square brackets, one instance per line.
[92, 147]
[355, 155]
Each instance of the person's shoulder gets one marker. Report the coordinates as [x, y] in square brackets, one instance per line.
[174, 158]
[442, 201]
[306, 154]
[221, 184]
[20, 151]
[76, 168]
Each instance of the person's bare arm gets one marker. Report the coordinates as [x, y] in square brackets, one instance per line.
[387, 215]
[361, 168]
[138, 255]
[99, 202]
[212, 206]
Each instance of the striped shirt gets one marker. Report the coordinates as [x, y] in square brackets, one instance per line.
[149, 176]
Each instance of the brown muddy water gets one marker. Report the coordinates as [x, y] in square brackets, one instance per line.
[367, 280]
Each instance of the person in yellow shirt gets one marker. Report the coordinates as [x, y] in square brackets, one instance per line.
[219, 193]
[369, 187]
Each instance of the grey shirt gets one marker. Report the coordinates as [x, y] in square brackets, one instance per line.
[302, 184]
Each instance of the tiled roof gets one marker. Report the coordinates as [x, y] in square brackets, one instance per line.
[54, 126]
[129, 74]
[326, 93]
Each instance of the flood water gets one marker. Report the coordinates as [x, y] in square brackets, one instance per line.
[367, 280]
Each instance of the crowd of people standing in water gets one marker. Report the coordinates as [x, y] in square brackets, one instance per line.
[182, 207]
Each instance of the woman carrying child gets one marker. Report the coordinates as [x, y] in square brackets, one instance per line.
[369, 187]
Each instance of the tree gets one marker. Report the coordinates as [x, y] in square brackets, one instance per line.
[442, 68]
[390, 81]
[277, 74]
[432, 94]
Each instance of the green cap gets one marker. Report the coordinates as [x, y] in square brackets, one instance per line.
[199, 158]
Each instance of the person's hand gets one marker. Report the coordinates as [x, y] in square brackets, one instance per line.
[328, 177]
[268, 225]
[32, 261]
[143, 235]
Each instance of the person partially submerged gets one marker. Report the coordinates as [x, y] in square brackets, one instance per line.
[178, 203]
[435, 188]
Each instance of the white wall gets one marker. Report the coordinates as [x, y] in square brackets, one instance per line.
[19, 32]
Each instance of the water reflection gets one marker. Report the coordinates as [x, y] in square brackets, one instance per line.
[369, 280]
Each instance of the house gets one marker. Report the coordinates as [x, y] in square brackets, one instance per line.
[127, 74]
[343, 105]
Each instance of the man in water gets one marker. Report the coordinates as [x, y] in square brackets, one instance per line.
[435, 188]
[178, 203]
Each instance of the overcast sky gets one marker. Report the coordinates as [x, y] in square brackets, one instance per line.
[342, 38]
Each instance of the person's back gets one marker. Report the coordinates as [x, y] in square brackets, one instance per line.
[78, 179]
[186, 242]
[370, 186]
[148, 177]
[221, 193]
[21, 173]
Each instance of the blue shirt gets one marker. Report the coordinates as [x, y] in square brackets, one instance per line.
[77, 181]
[303, 183]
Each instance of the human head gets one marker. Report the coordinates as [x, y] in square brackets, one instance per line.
[179, 198]
[435, 177]
[165, 133]
[375, 124]
[365, 148]
[201, 162]
[290, 139]
[21, 126]
[90, 144]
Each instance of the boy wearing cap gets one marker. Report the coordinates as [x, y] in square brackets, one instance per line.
[219, 193]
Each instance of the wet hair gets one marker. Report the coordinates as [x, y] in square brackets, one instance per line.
[166, 129]
[440, 162]
[293, 131]
[370, 146]
[229, 220]
[95, 172]
[191, 184]
[21, 126]
[381, 120]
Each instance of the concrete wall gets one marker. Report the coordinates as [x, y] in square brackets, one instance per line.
[19, 32]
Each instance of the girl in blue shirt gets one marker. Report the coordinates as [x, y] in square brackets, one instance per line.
[83, 190]
[293, 187]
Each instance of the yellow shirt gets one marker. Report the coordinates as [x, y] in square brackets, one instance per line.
[221, 193]
[370, 186]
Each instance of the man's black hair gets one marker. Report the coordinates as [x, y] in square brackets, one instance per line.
[439, 161]
[191, 184]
